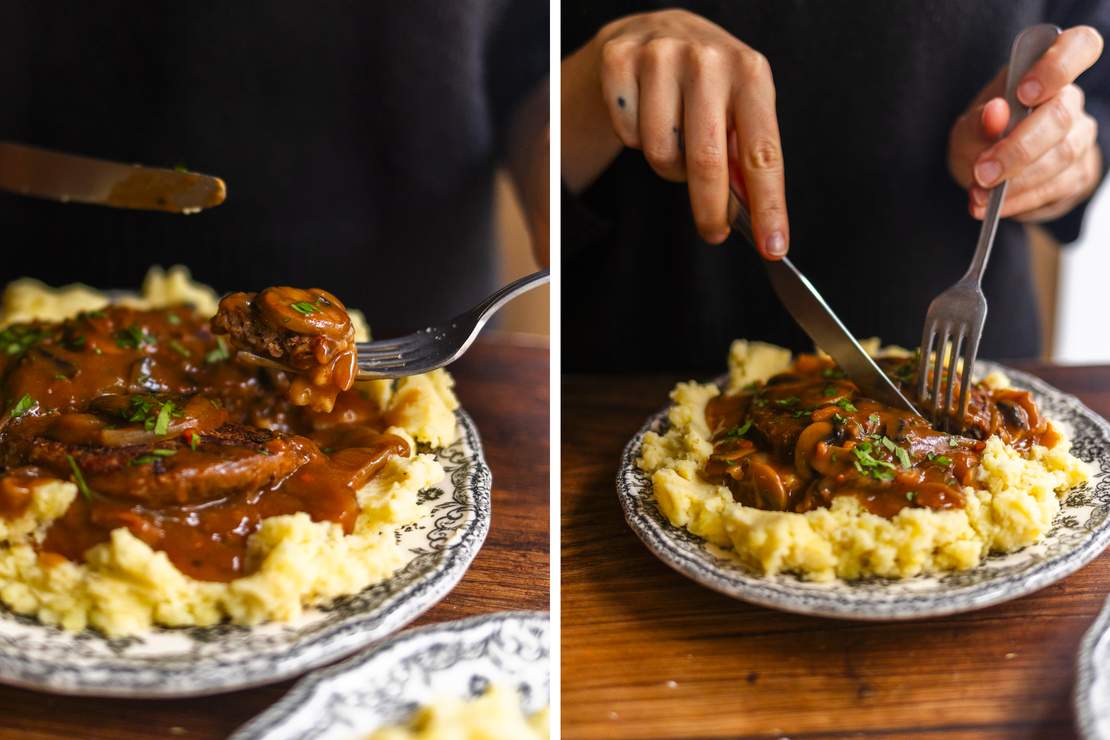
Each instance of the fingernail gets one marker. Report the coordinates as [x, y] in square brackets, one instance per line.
[987, 172]
[1029, 91]
[775, 244]
[719, 237]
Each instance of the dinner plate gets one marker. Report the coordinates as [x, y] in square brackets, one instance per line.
[174, 662]
[386, 684]
[1092, 683]
[1080, 532]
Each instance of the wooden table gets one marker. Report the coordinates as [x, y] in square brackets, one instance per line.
[503, 384]
[648, 653]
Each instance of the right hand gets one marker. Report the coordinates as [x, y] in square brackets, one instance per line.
[690, 96]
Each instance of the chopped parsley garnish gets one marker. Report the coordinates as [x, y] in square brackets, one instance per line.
[133, 337]
[911, 495]
[173, 318]
[750, 386]
[838, 419]
[867, 464]
[22, 406]
[874, 419]
[832, 373]
[739, 431]
[162, 422]
[940, 459]
[905, 371]
[78, 478]
[788, 401]
[953, 442]
[304, 307]
[888, 443]
[847, 405]
[830, 391]
[903, 456]
[97, 314]
[98, 351]
[179, 167]
[264, 451]
[75, 343]
[219, 354]
[180, 348]
[802, 412]
[19, 338]
[59, 376]
[155, 415]
[152, 457]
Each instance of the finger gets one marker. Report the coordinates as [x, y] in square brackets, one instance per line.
[1074, 51]
[1041, 130]
[620, 88]
[661, 111]
[974, 132]
[760, 158]
[705, 98]
[1075, 179]
[1080, 138]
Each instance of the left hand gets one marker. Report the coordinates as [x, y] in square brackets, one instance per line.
[1050, 159]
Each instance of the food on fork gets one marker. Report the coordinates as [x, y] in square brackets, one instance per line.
[148, 478]
[308, 331]
[795, 471]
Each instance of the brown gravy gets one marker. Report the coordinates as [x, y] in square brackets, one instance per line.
[806, 436]
[149, 396]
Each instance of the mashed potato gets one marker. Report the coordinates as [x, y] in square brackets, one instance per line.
[1013, 505]
[496, 715]
[125, 587]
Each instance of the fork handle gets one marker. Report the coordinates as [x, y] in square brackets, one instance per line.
[499, 298]
[1028, 47]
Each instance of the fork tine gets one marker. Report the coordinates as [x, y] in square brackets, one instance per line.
[971, 351]
[957, 342]
[404, 360]
[923, 361]
[938, 367]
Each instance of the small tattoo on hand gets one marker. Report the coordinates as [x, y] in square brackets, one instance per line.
[620, 102]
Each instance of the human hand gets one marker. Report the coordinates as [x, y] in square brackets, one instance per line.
[1050, 159]
[688, 94]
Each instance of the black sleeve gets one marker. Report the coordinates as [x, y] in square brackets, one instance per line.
[1096, 85]
[516, 59]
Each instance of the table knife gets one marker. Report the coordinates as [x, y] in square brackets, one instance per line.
[809, 309]
[43, 173]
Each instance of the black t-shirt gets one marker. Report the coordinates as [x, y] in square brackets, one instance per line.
[867, 93]
[358, 140]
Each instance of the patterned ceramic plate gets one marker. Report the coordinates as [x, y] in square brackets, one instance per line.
[206, 660]
[1092, 684]
[1080, 532]
[385, 685]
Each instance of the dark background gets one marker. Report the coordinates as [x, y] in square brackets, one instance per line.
[358, 141]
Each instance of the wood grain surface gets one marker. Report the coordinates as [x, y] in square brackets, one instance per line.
[503, 383]
[648, 653]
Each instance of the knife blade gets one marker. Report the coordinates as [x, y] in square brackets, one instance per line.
[813, 314]
[42, 173]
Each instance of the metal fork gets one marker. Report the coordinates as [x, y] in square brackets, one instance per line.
[427, 349]
[956, 317]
